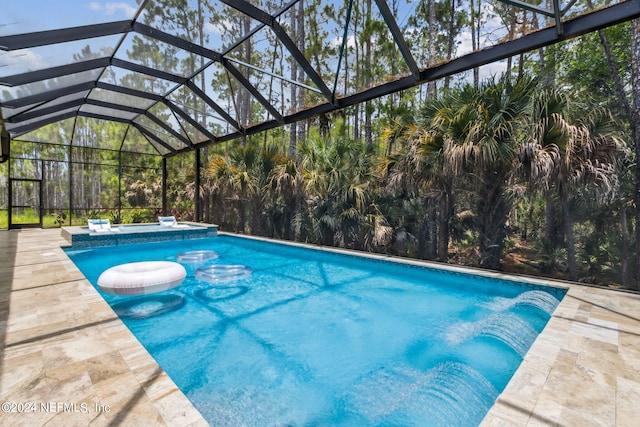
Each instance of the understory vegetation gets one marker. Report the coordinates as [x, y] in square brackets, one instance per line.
[507, 175]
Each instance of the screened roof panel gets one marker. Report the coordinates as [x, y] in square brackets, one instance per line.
[120, 98]
[194, 134]
[166, 117]
[47, 85]
[135, 142]
[201, 112]
[170, 136]
[55, 133]
[12, 114]
[271, 6]
[137, 81]
[159, 148]
[23, 125]
[264, 56]
[98, 133]
[26, 16]
[177, 23]
[143, 50]
[220, 87]
[108, 112]
[193, 70]
[43, 57]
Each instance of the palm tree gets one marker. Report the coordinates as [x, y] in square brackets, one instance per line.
[482, 130]
[570, 148]
[283, 184]
[416, 173]
[338, 184]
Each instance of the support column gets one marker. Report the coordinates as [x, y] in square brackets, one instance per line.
[197, 185]
[164, 186]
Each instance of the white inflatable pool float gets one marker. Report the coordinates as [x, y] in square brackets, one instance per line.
[139, 278]
[222, 272]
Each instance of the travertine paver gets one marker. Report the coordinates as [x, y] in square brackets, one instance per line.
[589, 365]
[67, 360]
[64, 348]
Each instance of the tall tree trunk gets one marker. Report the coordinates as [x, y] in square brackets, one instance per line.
[492, 212]
[450, 40]
[475, 37]
[635, 130]
[511, 34]
[446, 213]
[569, 239]
[619, 86]
[293, 132]
[245, 101]
[632, 115]
[368, 77]
[433, 35]
[432, 246]
[547, 58]
[300, 40]
[551, 229]
[206, 201]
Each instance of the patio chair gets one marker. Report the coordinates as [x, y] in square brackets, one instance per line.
[170, 221]
[101, 226]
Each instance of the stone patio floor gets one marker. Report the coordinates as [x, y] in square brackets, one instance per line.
[67, 360]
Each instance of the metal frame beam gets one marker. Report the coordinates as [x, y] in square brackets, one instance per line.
[151, 135]
[398, 37]
[21, 130]
[132, 66]
[252, 90]
[590, 21]
[530, 7]
[49, 95]
[571, 28]
[191, 85]
[53, 72]
[169, 129]
[270, 21]
[105, 117]
[176, 41]
[44, 38]
[177, 110]
[35, 113]
[128, 91]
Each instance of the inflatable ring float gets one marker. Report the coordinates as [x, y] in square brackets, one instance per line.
[141, 278]
[222, 272]
[192, 257]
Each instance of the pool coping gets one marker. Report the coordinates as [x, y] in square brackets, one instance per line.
[63, 344]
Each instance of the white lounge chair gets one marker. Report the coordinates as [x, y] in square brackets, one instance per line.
[101, 226]
[170, 221]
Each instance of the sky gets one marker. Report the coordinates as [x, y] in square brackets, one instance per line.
[23, 16]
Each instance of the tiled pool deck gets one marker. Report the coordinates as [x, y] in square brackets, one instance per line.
[66, 357]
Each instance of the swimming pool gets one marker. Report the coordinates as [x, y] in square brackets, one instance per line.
[319, 338]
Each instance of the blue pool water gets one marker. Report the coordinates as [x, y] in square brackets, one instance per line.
[313, 338]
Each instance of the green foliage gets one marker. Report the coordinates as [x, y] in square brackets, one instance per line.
[60, 218]
[136, 216]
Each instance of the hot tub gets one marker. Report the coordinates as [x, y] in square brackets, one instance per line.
[82, 237]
